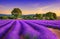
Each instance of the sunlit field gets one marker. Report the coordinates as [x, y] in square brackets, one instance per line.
[29, 29]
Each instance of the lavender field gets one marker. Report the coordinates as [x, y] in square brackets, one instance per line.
[29, 29]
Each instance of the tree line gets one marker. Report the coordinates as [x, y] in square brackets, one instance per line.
[17, 13]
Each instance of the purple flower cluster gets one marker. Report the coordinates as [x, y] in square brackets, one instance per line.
[34, 29]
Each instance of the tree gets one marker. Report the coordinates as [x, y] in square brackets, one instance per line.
[55, 16]
[0, 17]
[50, 16]
[39, 16]
[4, 17]
[30, 17]
[11, 17]
[16, 12]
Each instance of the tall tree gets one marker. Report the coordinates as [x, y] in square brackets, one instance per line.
[50, 16]
[55, 16]
[16, 12]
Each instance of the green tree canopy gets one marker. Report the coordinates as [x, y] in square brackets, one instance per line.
[11, 17]
[39, 16]
[51, 16]
[55, 16]
[16, 12]
[0, 17]
[4, 17]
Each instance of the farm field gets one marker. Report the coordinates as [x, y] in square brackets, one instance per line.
[29, 29]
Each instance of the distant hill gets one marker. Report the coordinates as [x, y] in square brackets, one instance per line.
[22, 15]
[4, 15]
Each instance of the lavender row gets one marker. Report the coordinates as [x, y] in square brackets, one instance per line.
[45, 33]
[5, 29]
[52, 24]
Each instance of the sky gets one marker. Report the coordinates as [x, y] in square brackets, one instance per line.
[30, 6]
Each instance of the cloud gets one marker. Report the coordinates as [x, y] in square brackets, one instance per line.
[52, 8]
[37, 9]
[41, 10]
[1, 6]
[4, 12]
